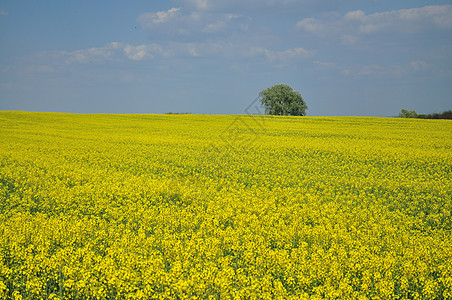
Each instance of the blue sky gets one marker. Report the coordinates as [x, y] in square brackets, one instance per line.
[346, 57]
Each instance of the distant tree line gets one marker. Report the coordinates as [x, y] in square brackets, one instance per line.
[412, 114]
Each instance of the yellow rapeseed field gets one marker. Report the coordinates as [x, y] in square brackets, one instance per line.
[224, 207]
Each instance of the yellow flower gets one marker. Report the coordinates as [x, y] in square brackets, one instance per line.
[230, 207]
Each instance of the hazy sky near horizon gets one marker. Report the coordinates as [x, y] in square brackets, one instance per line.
[346, 57]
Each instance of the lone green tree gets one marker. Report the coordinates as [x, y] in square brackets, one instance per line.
[281, 100]
[407, 114]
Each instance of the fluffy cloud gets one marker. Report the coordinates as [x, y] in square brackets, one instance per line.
[288, 55]
[177, 22]
[199, 29]
[150, 19]
[314, 26]
[413, 20]
[141, 52]
[217, 5]
[86, 55]
[227, 50]
[117, 52]
[183, 33]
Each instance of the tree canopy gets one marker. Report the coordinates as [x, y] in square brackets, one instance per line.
[408, 114]
[282, 100]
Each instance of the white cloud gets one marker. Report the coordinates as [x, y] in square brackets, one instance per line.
[88, 55]
[288, 55]
[413, 20]
[117, 51]
[233, 51]
[150, 19]
[110, 52]
[314, 26]
[143, 51]
[355, 15]
[218, 5]
[3, 13]
[197, 23]
[136, 53]
[199, 29]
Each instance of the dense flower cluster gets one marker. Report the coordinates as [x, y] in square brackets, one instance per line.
[224, 207]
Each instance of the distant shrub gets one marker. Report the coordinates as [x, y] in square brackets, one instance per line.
[443, 115]
[412, 114]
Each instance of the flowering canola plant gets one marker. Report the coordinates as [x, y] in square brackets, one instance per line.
[224, 207]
